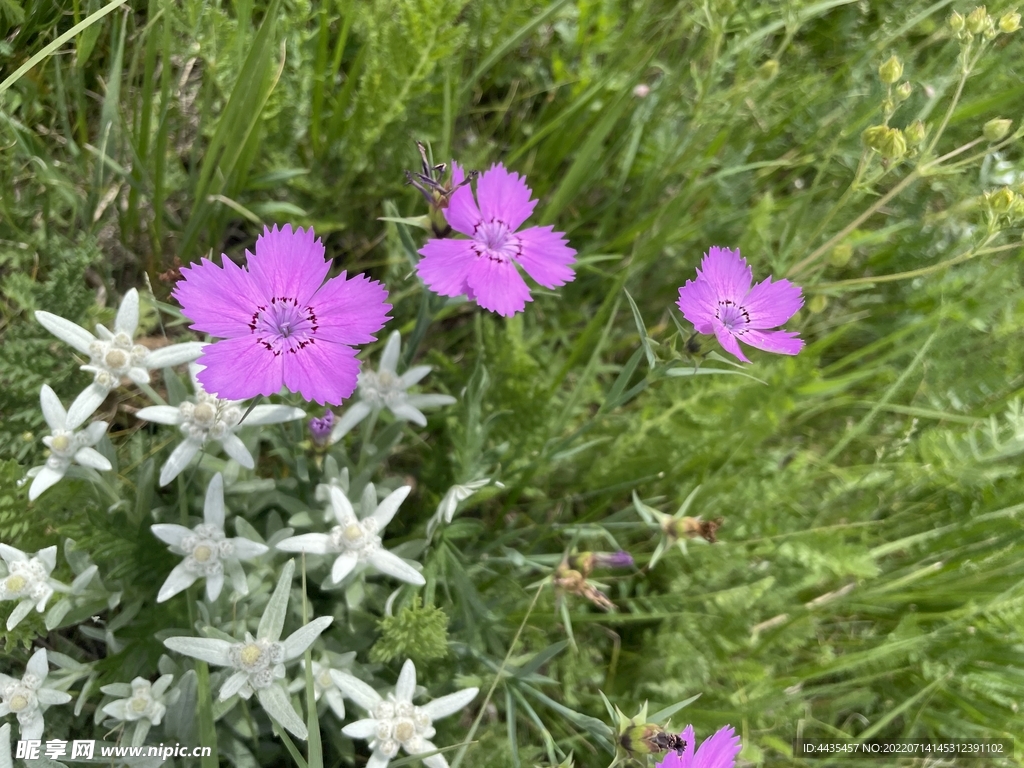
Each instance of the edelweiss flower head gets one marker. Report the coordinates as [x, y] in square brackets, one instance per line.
[281, 324]
[721, 301]
[395, 722]
[484, 267]
[115, 355]
[66, 445]
[27, 698]
[384, 388]
[208, 553]
[259, 661]
[27, 579]
[717, 751]
[143, 703]
[210, 418]
[323, 684]
[356, 540]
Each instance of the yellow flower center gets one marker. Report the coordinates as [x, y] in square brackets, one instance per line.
[115, 359]
[250, 654]
[139, 704]
[325, 679]
[205, 413]
[201, 553]
[353, 532]
[60, 443]
[404, 731]
[15, 583]
[18, 703]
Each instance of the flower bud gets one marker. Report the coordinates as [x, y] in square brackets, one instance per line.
[1016, 208]
[641, 90]
[817, 304]
[914, 133]
[691, 528]
[1009, 22]
[768, 70]
[841, 255]
[320, 429]
[888, 142]
[585, 562]
[891, 70]
[1000, 201]
[874, 136]
[978, 20]
[996, 129]
[956, 22]
[903, 91]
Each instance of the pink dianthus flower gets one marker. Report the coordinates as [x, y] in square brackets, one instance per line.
[721, 301]
[717, 751]
[484, 267]
[281, 324]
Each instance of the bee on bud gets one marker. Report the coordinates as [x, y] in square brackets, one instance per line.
[437, 192]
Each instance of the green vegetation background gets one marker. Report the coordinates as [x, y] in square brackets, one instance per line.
[870, 570]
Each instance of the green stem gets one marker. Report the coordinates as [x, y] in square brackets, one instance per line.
[497, 677]
[207, 728]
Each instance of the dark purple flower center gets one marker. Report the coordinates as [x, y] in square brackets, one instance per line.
[734, 317]
[282, 326]
[494, 240]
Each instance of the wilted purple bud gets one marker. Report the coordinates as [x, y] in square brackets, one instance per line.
[321, 428]
[585, 562]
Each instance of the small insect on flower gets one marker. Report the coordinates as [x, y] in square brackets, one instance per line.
[485, 267]
[437, 192]
[717, 751]
[722, 301]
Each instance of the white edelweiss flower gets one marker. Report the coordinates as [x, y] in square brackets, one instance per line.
[259, 661]
[357, 541]
[208, 552]
[27, 579]
[114, 355]
[66, 445]
[210, 418]
[323, 684]
[395, 721]
[27, 698]
[384, 388]
[144, 704]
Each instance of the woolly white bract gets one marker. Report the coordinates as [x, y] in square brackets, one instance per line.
[210, 418]
[27, 579]
[395, 722]
[66, 445]
[384, 388]
[27, 698]
[356, 540]
[208, 553]
[259, 662]
[114, 355]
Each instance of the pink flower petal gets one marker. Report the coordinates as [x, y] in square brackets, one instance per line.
[697, 302]
[461, 213]
[780, 342]
[771, 304]
[445, 265]
[322, 372]
[545, 256]
[728, 274]
[498, 286]
[288, 264]
[719, 750]
[504, 197]
[728, 341]
[217, 301]
[239, 368]
[350, 311]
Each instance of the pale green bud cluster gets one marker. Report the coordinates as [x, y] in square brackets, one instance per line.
[890, 143]
[1005, 203]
